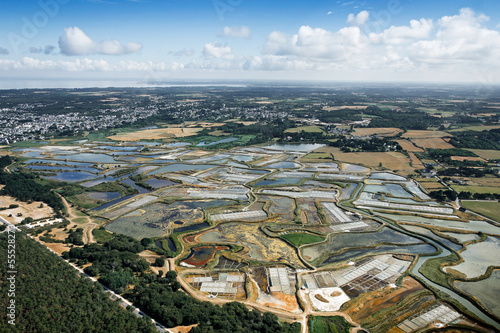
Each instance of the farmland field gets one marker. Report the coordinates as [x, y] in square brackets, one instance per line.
[489, 209]
[417, 134]
[304, 128]
[486, 154]
[156, 134]
[409, 146]
[475, 189]
[379, 131]
[432, 142]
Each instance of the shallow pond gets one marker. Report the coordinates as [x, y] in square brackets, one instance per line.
[295, 147]
[72, 176]
[487, 291]
[279, 182]
[429, 233]
[158, 183]
[178, 144]
[104, 195]
[345, 241]
[282, 165]
[111, 203]
[88, 157]
[62, 168]
[392, 189]
[346, 167]
[181, 167]
[226, 140]
[463, 238]
[132, 184]
[352, 254]
[475, 226]
[478, 257]
[386, 176]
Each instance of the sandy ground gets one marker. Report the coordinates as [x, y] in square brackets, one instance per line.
[33, 210]
[334, 302]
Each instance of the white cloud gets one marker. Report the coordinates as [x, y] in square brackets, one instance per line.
[460, 38]
[216, 50]
[359, 19]
[317, 43]
[329, 13]
[236, 32]
[402, 34]
[76, 42]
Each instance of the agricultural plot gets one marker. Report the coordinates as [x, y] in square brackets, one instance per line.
[434, 143]
[229, 285]
[378, 131]
[486, 208]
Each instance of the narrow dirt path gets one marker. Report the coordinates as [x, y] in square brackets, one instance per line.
[88, 236]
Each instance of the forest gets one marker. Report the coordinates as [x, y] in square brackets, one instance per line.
[51, 297]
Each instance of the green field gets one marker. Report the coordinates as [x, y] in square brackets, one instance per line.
[102, 235]
[486, 208]
[475, 189]
[334, 324]
[304, 128]
[299, 239]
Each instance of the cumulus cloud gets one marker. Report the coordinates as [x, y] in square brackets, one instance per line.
[217, 50]
[236, 32]
[317, 43]
[461, 37]
[3, 51]
[402, 34]
[76, 42]
[359, 19]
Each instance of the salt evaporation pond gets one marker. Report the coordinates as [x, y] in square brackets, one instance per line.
[226, 140]
[104, 195]
[295, 147]
[88, 157]
[72, 176]
[178, 144]
[346, 167]
[181, 167]
[487, 291]
[478, 257]
[283, 165]
[386, 176]
[392, 189]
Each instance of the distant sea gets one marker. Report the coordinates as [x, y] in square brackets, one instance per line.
[87, 83]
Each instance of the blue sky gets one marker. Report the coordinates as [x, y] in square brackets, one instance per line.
[339, 40]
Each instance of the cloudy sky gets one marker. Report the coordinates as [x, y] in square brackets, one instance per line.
[337, 40]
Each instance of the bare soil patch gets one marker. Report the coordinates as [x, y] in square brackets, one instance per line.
[156, 134]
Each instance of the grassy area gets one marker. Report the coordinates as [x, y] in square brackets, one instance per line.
[486, 208]
[102, 235]
[299, 239]
[475, 189]
[334, 324]
[474, 128]
[304, 128]
[432, 269]
[316, 156]
[486, 154]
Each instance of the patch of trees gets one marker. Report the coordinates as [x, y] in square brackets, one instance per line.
[5, 161]
[51, 297]
[412, 119]
[478, 196]
[273, 129]
[446, 195]
[444, 156]
[339, 116]
[75, 237]
[162, 300]
[372, 144]
[477, 139]
[25, 187]
[464, 171]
